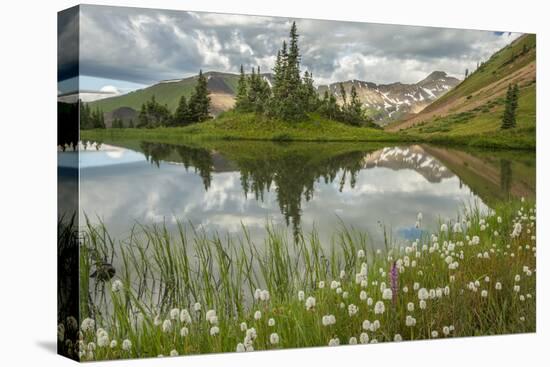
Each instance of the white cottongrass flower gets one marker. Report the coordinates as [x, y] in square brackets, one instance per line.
[301, 296]
[214, 330]
[321, 284]
[410, 321]
[498, 286]
[334, 342]
[352, 340]
[173, 353]
[457, 228]
[243, 326]
[475, 240]
[257, 315]
[264, 295]
[397, 338]
[345, 295]
[197, 307]
[379, 308]
[435, 334]
[516, 288]
[387, 294]
[369, 301]
[422, 304]
[361, 254]
[102, 338]
[363, 296]
[517, 278]
[352, 309]
[446, 330]
[364, 338]
[240, 348]
[184, 331]
[310, 303]
[274, 338]
[167, 326]
[342, 274]
[328, 320]
[271, 322]
[410, 307]
[484, 293]
[423, 294]
[185, 317]
[517, 230]
[416, 285]
[366, 325]
[444, 228]
[211, 317]
[174, 313]
[88, 324]
[116, 286]
[113, 344]
[126, 344]
[375, 325]
[334, 284]
[257, 294]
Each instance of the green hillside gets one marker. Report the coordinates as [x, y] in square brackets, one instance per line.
[169, 92]
[474, 107]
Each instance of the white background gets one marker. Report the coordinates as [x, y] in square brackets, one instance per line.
[28, 78]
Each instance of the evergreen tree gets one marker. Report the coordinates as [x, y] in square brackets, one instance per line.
[466, 73]
[343, 95]
[199, 103]
[309, 94]
[153, 114]
[242, 102]
[182, 114]
[355, 109]
[510, 107]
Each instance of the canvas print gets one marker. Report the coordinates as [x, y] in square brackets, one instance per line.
[238, 183]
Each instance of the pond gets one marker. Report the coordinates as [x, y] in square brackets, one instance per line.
[219, 187]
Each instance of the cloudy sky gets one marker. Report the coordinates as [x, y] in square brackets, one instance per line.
[128, 48]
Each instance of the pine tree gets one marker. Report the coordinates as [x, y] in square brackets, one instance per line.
[309, 94]
[242, 102]
[182, 115]
[510, 107]
[199, 103]
[356, 113]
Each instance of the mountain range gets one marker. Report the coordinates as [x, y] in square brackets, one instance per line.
[383, 102]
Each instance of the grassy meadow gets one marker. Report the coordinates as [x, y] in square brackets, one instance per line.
[189, 293]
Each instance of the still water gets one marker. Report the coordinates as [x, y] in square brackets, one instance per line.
[296, 186]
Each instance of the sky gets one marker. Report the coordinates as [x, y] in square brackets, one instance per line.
[122, 49]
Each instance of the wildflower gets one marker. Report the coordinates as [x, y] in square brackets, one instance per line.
[499, 220]
[251, 334]
[264, 295]
[334, 284]
[375, 325]
[60, 332]
[446, 330]
[257, 294]
[397, 338]
[423, 294]
[173, 353]
[352, 340]
[410, 307]
[484, 293]
[338, 290]
[475, 240]
[364, 338]
[167, 326]
[211, 317]
[243, 326]
[257, 315]
[410, 321]
[366, 325]
[517, 278]
[342, 274]
[310, 303]
[328, 320]
[126, 344]
[113, 344]
[88, 324]
[387, 294]
[422, 304]
[102, 338]
[522, 298]
[369, 301]
[498, 286]
[416, 285]
[271, 322]
[379, 308]
[405, 289]
[240, 348]
[361, 254]
[274, 338]
[352, 309]
[197, 307]
[457, 228]
[517, 230]
[394, 275]
[435, 334]
[363, 296]
[345, 295]
[444, 228]
[174, 313]
[301, 296]
[321, 284]
[334, 342]
[184, 332]
[116, 286]
[214, 330]
[185, 317]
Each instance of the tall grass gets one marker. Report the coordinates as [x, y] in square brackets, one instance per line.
[478, 276]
